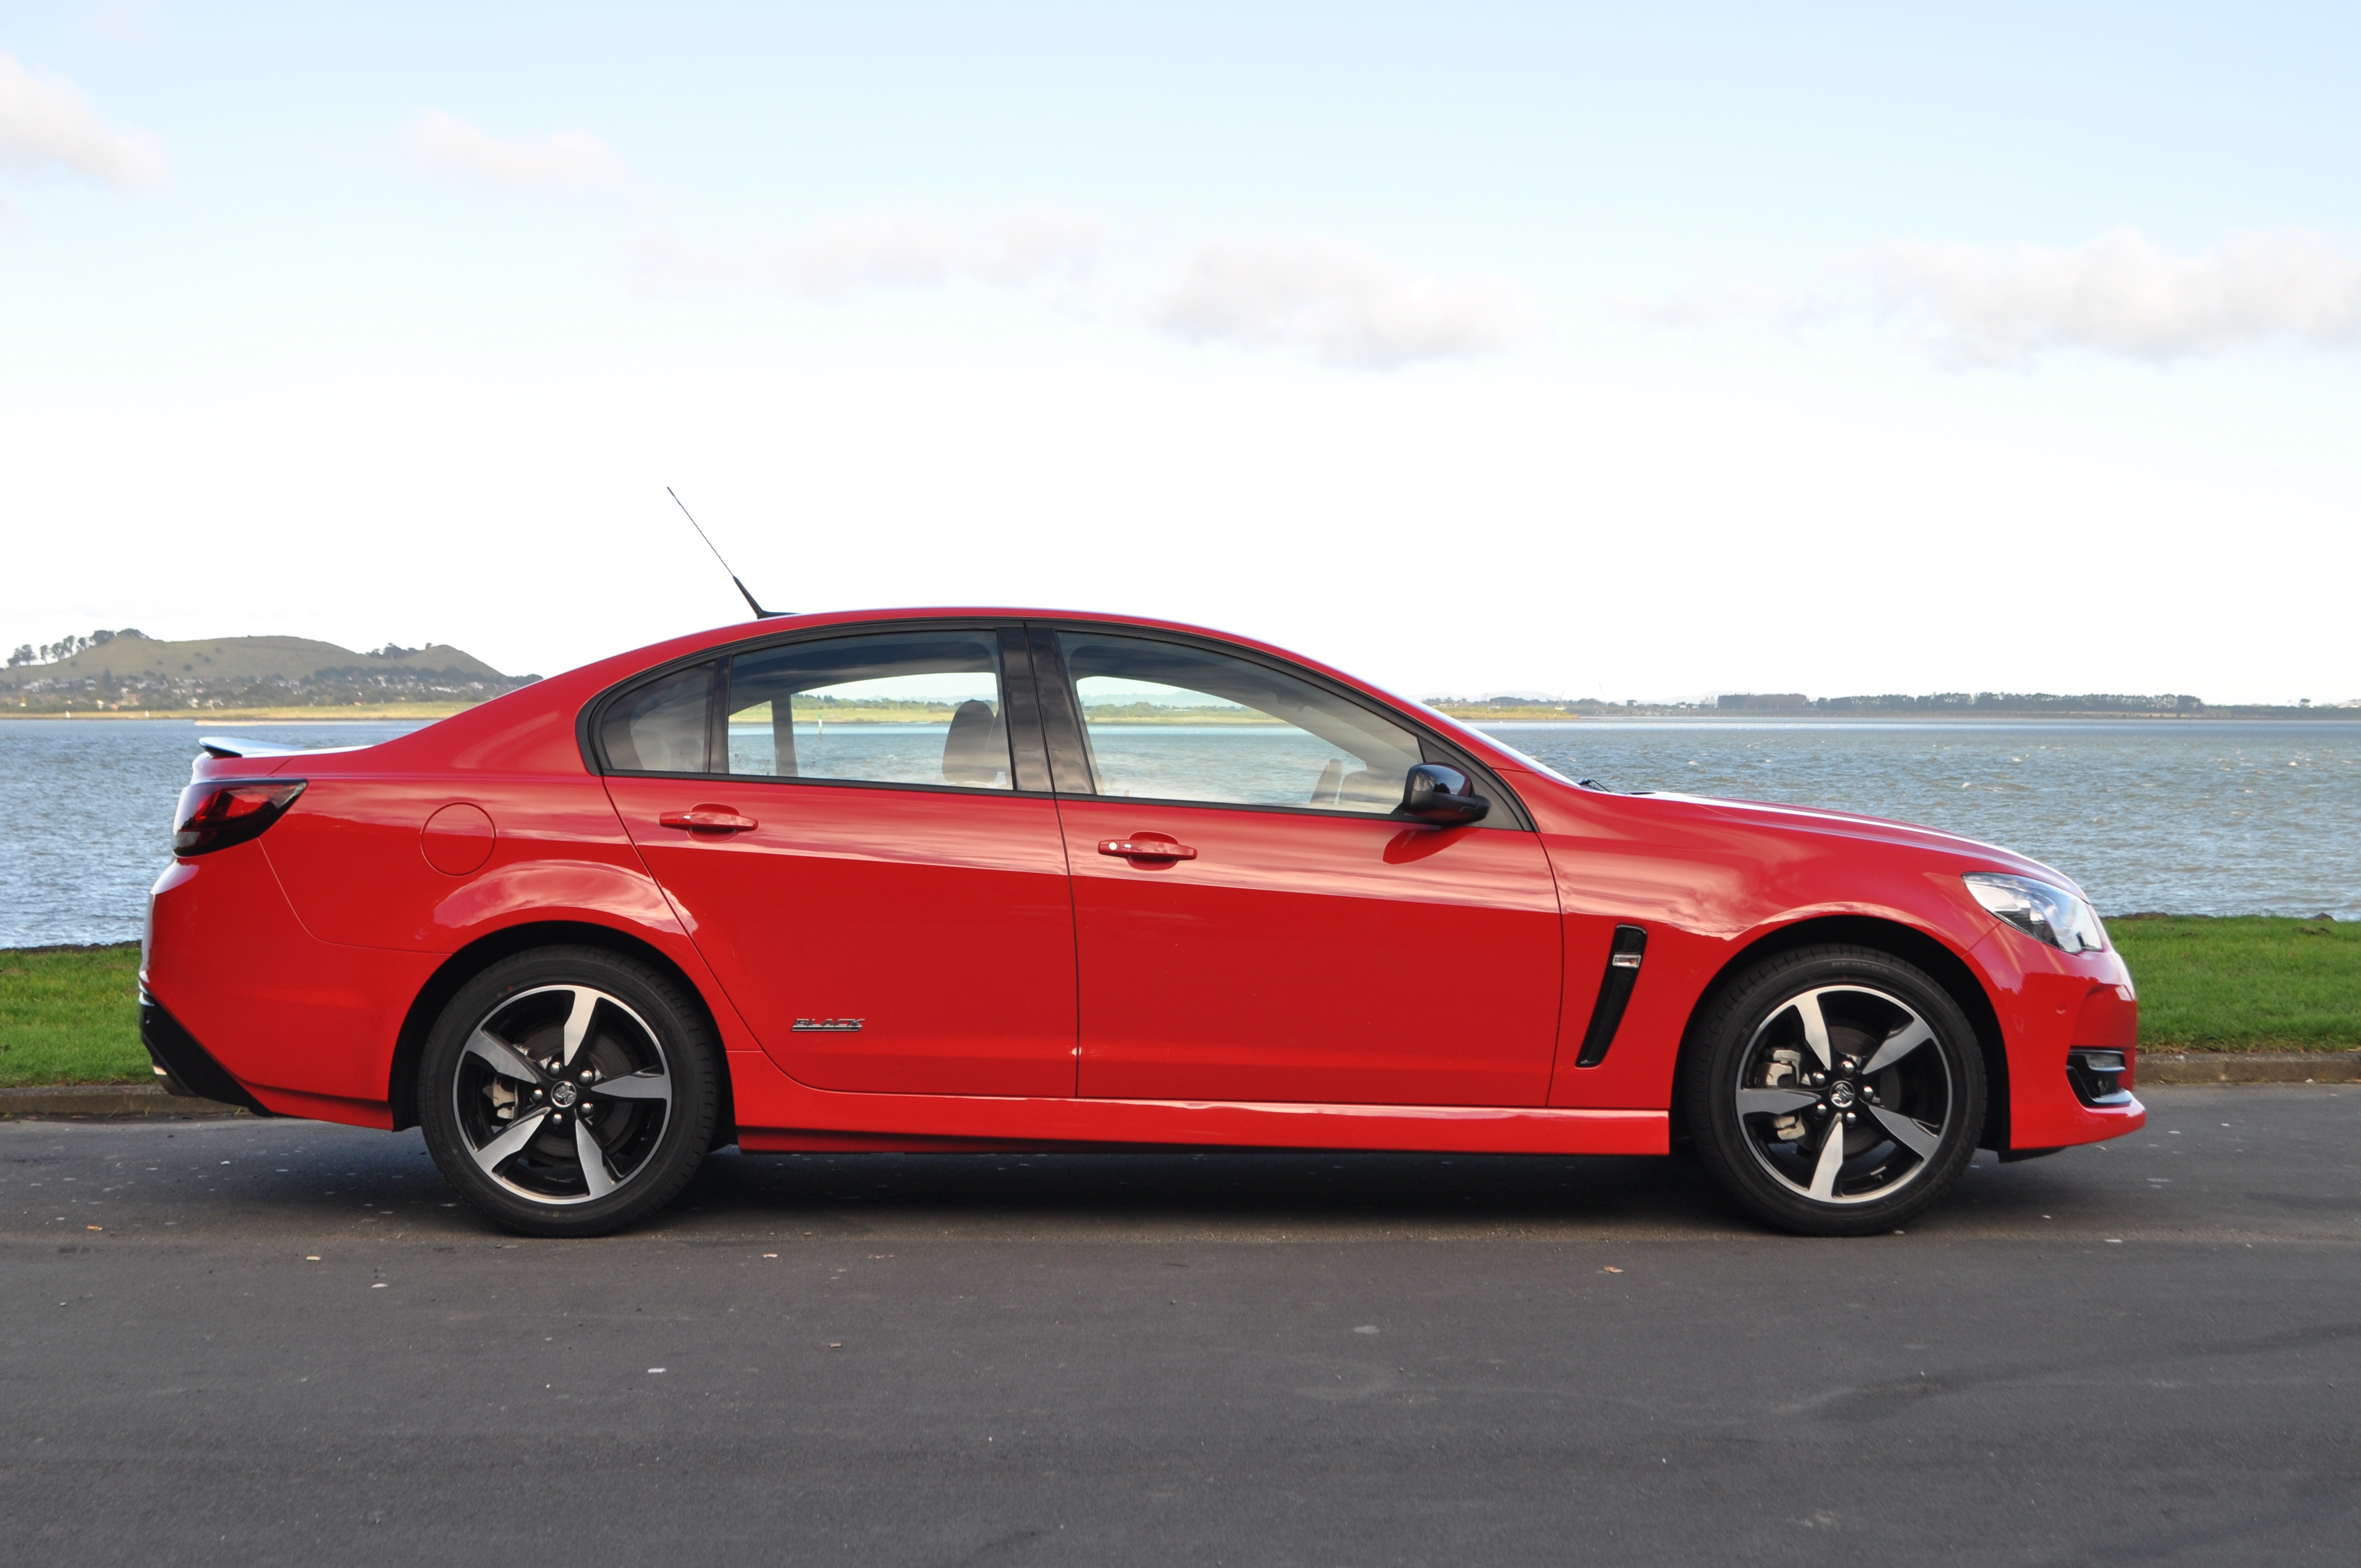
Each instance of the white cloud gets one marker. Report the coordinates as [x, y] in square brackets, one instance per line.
[573, 160]
[2122, 293]
[48, 123]
[1331, 301]
[1318, 298]
[1338, 304]
[837, 258]
[1041, 243]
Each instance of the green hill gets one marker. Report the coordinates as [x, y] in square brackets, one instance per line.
[128, 669]
[132, 657]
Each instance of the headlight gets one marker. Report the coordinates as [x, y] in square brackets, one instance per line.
[2036, 908]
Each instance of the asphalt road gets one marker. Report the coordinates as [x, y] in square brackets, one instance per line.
[2144, 1353]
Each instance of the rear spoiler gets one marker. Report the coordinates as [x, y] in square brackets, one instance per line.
[220, 746]
[223, 749]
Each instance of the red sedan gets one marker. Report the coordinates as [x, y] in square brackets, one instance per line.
[958, 879]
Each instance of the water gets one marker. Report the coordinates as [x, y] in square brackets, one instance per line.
[1247, 764]
[2210, 817]
[1270, 765]
[2222, 819]
[872, 754]
[92, 815]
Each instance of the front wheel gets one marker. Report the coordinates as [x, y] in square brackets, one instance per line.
[568, 1091]
[1835, 1091]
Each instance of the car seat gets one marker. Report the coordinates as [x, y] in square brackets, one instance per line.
[974, 752]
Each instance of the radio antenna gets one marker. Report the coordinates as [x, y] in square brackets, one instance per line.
[760, 613]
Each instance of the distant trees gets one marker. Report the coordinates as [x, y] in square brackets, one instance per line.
[66, 647]
[2005, 702]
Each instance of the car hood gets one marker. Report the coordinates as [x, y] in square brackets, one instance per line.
[1775, 817]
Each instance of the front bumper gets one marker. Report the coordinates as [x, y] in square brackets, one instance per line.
[2056, 1009]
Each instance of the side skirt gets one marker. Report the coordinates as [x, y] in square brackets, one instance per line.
[915, 1122]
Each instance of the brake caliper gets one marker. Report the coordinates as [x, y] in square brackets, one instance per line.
[1786, 1070]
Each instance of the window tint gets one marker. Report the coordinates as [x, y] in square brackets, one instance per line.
[903, 708]
[1170, 722]
[661, 728]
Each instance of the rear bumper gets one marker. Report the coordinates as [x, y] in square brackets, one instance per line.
[303, 1027]
[184, 1066]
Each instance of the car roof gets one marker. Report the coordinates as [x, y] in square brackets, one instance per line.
[491, 734]
[733, 630]
[625, 665]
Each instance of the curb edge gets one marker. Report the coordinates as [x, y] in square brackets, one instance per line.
[109, 1102]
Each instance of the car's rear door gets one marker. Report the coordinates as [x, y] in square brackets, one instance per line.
[858, 830]
[1301, 943]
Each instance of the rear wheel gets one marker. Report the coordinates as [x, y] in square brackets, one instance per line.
[1835, 1091]
[568, 1091]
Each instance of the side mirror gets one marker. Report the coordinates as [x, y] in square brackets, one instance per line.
[1442, 796]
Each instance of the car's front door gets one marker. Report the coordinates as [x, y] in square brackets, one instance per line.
[877, 880]
[1254, 922]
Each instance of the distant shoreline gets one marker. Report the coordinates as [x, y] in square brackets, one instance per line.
[426, 712]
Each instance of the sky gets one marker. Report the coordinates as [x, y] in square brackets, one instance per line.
[1634, 352]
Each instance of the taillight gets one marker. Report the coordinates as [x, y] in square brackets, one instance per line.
[215, 816]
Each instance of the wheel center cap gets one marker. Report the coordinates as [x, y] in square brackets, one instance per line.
[1840, 1096]
[564, 1094]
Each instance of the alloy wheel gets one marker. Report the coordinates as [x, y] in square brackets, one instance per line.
[562, 1094]
[1844, 1094]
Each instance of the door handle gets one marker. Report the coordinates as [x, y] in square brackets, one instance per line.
[1147, 849]
[708, 820]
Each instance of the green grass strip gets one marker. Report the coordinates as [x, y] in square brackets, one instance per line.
[70, 1015]
[2248, 982]
[2239, 984]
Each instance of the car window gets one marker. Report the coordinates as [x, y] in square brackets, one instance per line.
[921, 707]
[662, 728]
[1166, 721]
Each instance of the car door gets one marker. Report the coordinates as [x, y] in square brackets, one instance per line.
[858, 832]
[1254, 922]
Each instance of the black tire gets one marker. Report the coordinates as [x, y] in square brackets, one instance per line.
[609, 1063]
[1762, 1097]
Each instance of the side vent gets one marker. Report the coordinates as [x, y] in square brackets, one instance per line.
[1614, 994]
